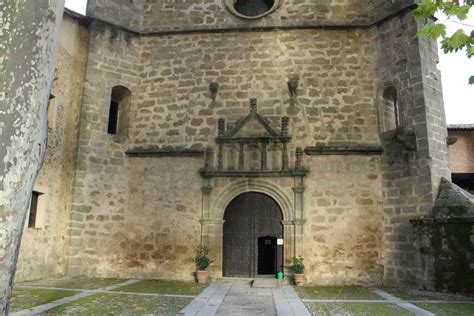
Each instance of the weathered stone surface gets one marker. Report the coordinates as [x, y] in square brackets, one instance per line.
[153, 16]
[452, 201]
[444, 241]
[28, 36]
[139, 206]
[412, 164]
[48, 256]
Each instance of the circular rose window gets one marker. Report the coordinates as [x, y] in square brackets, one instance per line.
[251, 9]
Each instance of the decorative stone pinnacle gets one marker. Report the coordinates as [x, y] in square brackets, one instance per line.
[299, 158]
[284, 125]
[214, 87]
[253, 105]
[293, 87]
[221, 126]
[208, 159]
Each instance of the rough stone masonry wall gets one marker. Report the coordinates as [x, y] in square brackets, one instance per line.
[172, 107]
[410, 177]
[211, 14]
[344, 232]
[334, 102]
[125, 13]
[436, 127]
[27, 68]
[161, 231]
[101, 183]
[43, 251]
[379, 9]
[178, 14]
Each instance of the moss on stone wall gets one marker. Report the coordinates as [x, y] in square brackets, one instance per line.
[452, 251]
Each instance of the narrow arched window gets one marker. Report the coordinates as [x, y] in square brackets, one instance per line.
[391, 109]
[119, 111]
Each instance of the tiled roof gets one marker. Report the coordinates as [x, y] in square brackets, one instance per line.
[461, 126]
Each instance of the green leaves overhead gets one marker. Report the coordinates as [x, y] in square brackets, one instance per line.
[457, 9]
[433, 31]
[456, 42]
[426, 8]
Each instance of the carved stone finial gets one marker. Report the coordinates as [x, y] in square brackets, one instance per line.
[208, 159]
[253, 105]
[293, 87]
[214, 87]
[299, 159]
[284, 125]
[221, 127]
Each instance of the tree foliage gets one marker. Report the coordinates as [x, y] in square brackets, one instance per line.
[454, 10]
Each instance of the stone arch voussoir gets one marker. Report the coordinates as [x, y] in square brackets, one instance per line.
[253, 185]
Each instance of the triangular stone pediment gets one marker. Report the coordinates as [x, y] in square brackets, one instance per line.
[252, 127]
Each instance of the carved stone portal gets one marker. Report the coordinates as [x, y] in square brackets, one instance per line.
[252, 156]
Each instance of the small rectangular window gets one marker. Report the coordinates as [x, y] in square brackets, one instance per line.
[33, 209]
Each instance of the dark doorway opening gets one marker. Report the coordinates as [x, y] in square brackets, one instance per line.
[267, 255]
[250, 219]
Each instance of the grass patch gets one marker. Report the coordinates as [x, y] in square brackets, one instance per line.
[163, 287]
[406, 294]
[336, 292]
[122, 304]
[410, 295]
[356, 309]
[76, 283]
[29, 298]
[441, 309]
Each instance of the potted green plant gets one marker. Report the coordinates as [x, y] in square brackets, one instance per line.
[298, 270]
[202, 262]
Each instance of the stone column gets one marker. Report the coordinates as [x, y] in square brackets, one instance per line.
[214, 229]
[27, 29]
[206, 190]
[288, 242]
[241, 156]
[211, 230]
[284, 157]
[220, 158]
[299, 216]
[263, 156]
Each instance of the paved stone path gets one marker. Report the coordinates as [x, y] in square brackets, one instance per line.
[237, 299]
[415, 310]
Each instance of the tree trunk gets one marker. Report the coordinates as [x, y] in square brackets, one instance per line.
[28, 42]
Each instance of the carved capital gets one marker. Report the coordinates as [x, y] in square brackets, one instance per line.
[212, 222]
[299, 222]
[206, 189]
[299, 190]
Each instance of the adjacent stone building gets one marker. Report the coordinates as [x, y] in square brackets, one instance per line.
[461, 155]
[266, 130]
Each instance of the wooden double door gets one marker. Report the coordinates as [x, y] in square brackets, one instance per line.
[252, 228]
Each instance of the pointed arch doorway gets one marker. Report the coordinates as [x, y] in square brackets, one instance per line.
[252, 228]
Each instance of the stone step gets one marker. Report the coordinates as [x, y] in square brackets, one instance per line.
[234, 280]
[265, 283]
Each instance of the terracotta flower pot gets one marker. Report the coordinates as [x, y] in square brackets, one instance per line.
[300, 279]
[201, 276]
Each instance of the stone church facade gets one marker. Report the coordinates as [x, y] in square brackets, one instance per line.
[167, 112]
